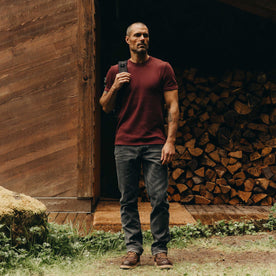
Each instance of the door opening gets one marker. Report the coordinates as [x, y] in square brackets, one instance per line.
[207, 35]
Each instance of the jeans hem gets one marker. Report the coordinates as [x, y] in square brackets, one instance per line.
[159, 251]
[139, 252]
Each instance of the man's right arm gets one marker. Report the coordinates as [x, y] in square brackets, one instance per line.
[108, 99]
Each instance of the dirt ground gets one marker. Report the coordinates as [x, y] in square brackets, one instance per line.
[220, 252]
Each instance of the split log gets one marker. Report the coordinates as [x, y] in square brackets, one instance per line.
[233, 168]
[255, 156]
[236, 154]
[210, 174]
[242, 109]
[200, 172]
[267, 172]
[225, 189]
[215, 156]
[220, 170]
[182, 188]
[249, 185]
[176, 197]
[187, 199]
[234, 201]
[170, 190]
[255, 171]
[218, 200]
[186, 155]
[206, 161]
[210, 186]
[240, 175]
[239, 182]
[224, 161]
[272, 185]
[202, 200]
[195, 151]
[244, 196]
[177, 173]
[233, 193]
[209, 148]
[258, 197]
[262, 182]
[269, 160]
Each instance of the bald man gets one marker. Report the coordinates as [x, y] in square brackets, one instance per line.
[138, 97]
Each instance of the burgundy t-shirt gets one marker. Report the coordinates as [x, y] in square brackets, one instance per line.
[139, 105]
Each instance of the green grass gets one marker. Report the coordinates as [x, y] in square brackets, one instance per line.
[108, 264]
[64, 252]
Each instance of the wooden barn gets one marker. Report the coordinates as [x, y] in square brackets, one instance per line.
[57, 145]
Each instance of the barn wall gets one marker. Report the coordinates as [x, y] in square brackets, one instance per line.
[39, 98]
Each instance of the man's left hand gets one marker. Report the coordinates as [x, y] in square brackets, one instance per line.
[168, 153]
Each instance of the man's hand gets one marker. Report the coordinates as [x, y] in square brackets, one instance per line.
[107, 100]
[120, 80]
[168, 153]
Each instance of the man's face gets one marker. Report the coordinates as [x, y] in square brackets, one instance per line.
[138, 39]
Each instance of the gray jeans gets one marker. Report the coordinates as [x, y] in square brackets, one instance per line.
[129, 160]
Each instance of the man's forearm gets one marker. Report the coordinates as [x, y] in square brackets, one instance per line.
[108, 100]
[173, 117]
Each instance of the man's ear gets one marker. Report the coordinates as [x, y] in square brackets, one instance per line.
[127, 39]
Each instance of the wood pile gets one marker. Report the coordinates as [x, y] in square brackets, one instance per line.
[226, 142]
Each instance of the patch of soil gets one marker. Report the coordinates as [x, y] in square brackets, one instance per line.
[240, 240]
[200, 255]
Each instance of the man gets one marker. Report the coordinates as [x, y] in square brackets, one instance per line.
[138, 98]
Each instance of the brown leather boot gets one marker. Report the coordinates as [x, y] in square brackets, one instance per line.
[161, 260]
[130, 261]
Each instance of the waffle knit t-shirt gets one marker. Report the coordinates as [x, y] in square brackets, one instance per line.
[140, 103]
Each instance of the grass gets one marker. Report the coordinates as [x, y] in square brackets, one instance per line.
[196, 250]
[108, 263]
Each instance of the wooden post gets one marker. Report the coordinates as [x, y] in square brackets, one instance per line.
[87, 99]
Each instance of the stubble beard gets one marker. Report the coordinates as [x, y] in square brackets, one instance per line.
[142, 52]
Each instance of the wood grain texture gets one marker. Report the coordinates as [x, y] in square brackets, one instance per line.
[66, 204]
[81, 222]
[39, 100]
[87, 96]
[209, 214]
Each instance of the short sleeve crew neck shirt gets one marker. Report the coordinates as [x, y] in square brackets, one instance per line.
[140, 104]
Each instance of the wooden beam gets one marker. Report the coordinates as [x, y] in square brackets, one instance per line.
[66, 204]
[87, 90]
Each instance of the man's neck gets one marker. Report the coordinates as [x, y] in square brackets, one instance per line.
[136, 58]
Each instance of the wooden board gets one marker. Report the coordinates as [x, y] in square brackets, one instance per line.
[47, 100]
[39, 97]
[66, 204]
[81, 222]
[107, 215]
[208, 214]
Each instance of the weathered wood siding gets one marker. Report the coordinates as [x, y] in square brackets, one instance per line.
[39, 98]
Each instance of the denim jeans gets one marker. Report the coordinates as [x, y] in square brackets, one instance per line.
[129, 160]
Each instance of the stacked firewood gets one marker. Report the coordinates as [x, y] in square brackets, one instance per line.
[226, 142]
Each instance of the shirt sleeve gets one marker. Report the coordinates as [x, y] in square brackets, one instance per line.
[169, 80]
[110, 77]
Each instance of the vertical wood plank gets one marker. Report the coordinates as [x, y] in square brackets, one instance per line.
[87, 87]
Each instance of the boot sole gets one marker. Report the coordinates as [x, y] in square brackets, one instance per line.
[163, 266]
[129, 266]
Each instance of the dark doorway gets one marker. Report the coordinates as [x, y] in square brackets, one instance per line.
[208, 35]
